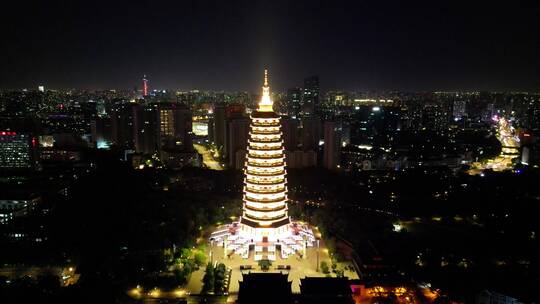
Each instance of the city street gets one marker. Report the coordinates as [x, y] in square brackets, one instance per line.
[510, 150]
[208, 158]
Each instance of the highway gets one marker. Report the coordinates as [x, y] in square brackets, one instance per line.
[510, 150]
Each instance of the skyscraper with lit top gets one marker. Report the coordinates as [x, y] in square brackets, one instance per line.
[144, 86]
[265, 224]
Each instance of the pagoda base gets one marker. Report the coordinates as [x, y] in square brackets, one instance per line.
[238, 238]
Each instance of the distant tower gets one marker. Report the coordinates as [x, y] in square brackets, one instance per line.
[332, 145]
[311, 95]
[145, 86]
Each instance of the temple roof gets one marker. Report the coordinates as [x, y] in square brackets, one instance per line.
[265, 288]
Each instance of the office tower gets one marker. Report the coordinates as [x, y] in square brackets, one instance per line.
[145, 128]
[294, 101]
[234, 112]
[300, 159]
[459, 109]
[488, 113]
[121, 125]
[220, 126]
[435, 117]
[238, 133]
[332, 145]
[311, 130]
[289, 127]
[18, 151]
[175, 126]
[532, 115]
[310, 102]
[101, 130]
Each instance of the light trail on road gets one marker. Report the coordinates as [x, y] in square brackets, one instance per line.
[510, 150]
[208, 158]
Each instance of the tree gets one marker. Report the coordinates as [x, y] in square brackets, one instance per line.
[219, 281]
[324, 267]
[265, 264]
[185, 253]
[208, 279]
[200, 258]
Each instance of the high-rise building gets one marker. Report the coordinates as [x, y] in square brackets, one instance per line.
[294, 101]
[332, 145]
[311, 130]
[374, 125]
[237, 138]
[101, 131]
[265, 223]
[233, 141]
[459, 109]
[121, 122]
[18, 151]
[175, 126]
[435, 117]
[220, 126]
[145, 128]
[489, 111]
[144, 86]
[532, 115]
[300, 159]
[310, 98]
[289, 128]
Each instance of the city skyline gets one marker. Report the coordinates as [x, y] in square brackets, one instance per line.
[353, 46]
[261, 151]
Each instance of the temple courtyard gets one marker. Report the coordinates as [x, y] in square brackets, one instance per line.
[299, 267]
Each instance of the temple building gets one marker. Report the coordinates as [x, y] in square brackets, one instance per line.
[265, 225]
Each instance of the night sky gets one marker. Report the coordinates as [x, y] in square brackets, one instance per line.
[224, 45]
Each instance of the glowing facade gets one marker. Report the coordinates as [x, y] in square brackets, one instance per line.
[145, 86]
[265, 225]
[265, 184]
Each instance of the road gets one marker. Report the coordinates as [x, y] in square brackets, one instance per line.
[208, 158]
[510, 150]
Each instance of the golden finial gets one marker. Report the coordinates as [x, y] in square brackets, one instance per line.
[265, 105]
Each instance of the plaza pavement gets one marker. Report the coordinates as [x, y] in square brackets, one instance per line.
[300, 268]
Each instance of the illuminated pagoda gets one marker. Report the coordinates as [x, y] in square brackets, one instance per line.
[265, 225]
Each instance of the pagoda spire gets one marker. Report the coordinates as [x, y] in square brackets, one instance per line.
[266, 104]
